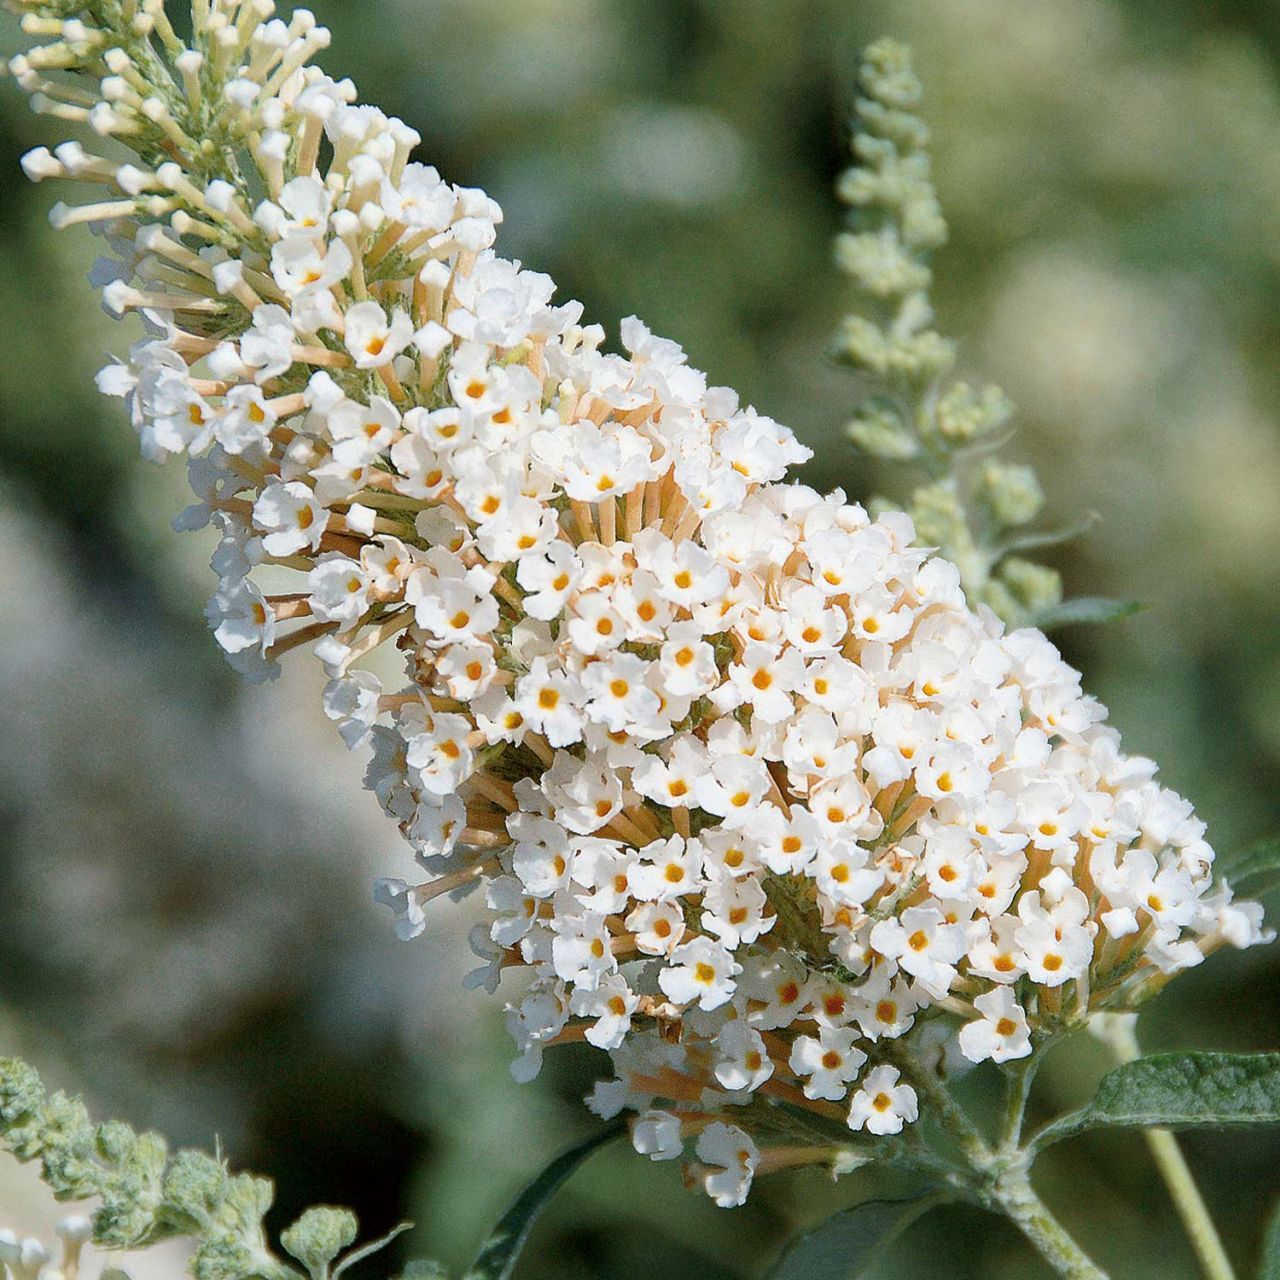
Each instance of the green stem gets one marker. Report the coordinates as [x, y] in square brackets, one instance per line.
[1019, 1076]
[1000, 1179]
[1119, 1034]
[1014, 1194]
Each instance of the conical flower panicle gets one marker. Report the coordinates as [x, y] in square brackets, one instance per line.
[753, 797]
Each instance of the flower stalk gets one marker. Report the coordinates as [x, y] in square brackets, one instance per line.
[1014, 1195]
[1119, 1033]
[755, 793]
[1000, 1178]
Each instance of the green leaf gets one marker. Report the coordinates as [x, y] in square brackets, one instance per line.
[1254, 869]
[848, 1242]
[1179, 1091]
[1048, 537]
[498, 1255]
[1086, 609]
[1270, 1269]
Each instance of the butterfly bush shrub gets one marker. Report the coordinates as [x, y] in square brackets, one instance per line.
[762, 798]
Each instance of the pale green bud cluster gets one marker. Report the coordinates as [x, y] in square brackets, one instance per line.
[146, 1194]
[971, 505]
[1009, 495]
[964, 415]
[319, 1236]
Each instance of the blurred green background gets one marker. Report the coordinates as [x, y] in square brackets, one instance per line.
[185, 862]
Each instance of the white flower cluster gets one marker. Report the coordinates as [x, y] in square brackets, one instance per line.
[749, 789]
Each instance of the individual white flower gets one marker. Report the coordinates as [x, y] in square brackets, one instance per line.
[548, 577]
[604, 466]
[787, 846]
[778, 982]
[549, 702]
[668, 869]
[467, 670]
[437, 825]
[372, 338]
[362, 432]
[1053, 951]
[594, 626]
[842, 874]
[241, 617]
[291, 517]
[611, 1004]
[498, 718]
[1051, 814]
[701, 972]
[951, 864]
[672, 782]
[810, 624]
[353, 702]
[734, 910]
[656, 1134]
[584, 795]
[882, 1105]
[765, 679]
[733, 853]
[246, 422]
[733, 789]
[734, 1156]
[266, 346]
[838, 686]
[524, 528]
[647, 617]
[405, 901]
[1001, 1033]
[829, 1061]
[815, 749]
[439, 754]
[582, 951]
[618, 696]
[603, 870]
[686, 574]
[687, 662]
[842, 808]
[419, 199]
[452, 610]
[953, 770]
[539, 1017]
[305, 204]
[887, 1009]
[924, 945]
[995, 952]
[339, 589]
[301, 262]
[658, 927]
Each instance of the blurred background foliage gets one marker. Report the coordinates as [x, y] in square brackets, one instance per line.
[185, 862]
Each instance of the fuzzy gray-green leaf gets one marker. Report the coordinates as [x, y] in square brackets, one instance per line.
[1256, 868]
[1180, 1091]
[1086, 609]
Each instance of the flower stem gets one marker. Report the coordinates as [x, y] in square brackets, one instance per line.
[1001, 1179]
[1019, 1077]
[1118, 1032]
[1014, 1194]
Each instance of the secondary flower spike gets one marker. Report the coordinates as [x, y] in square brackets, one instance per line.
[755, 802]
